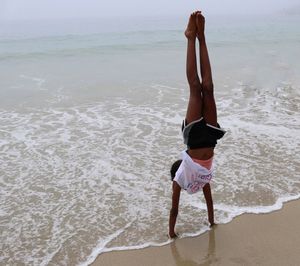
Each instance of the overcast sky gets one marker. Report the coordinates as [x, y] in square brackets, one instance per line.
[53, 9]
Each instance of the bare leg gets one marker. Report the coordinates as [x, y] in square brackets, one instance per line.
[209, 203]
[194, 110]
[209, 106]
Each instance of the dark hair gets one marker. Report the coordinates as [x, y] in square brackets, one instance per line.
[174, 168]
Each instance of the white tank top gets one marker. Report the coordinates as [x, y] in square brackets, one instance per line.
[191, 176]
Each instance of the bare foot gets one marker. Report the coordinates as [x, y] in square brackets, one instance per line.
[200, 22]
[191, 29]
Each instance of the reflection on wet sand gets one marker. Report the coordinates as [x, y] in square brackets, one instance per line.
[208, 259]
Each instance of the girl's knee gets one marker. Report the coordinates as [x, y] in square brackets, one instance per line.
[207, 88]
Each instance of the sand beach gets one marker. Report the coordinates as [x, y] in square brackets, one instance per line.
[250, 239]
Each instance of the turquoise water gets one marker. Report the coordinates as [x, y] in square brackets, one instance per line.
[90, 123]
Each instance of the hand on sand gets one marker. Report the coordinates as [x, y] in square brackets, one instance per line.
[191, 29]
[212, 225]
[173, 235]
[200, 22]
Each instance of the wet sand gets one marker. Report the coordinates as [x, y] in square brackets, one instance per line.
[250, 239]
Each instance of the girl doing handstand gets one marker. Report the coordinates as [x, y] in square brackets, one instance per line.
[200, 128]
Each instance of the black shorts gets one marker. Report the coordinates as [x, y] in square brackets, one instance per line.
[199, 134]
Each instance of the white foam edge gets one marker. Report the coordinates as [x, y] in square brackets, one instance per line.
[235, 211]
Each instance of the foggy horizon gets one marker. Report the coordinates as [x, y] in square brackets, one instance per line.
[91, 9]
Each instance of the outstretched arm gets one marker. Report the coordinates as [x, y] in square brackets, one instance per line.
[209, 203]
[174, 209]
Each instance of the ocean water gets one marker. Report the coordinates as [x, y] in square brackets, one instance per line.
[90, 116]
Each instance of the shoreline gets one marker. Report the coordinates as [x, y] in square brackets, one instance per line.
[260, 239]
